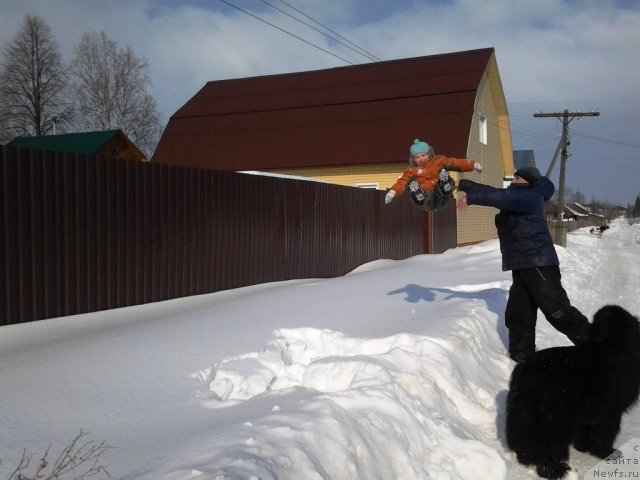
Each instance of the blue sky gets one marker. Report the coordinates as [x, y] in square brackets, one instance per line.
[581, 55]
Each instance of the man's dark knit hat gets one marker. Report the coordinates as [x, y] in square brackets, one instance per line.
[530, 174]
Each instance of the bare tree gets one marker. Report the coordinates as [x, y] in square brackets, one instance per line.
[34, 95]
[111, 87]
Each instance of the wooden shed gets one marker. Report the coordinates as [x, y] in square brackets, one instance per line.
[108, 144]
[352, 125]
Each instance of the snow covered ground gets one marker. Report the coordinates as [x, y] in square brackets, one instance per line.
[397, 370]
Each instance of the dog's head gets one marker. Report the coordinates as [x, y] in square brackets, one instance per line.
[616, 327]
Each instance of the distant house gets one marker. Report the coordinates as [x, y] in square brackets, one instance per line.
[621, 212]
[352, 125]
[597, 218]
[570, 212]
[108, 144]
[523, 158]
[576, 215]
[581, 208]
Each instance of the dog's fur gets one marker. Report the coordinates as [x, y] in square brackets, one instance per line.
[599, 230]
[575, 395]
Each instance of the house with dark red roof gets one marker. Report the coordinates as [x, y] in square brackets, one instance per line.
[352, 125]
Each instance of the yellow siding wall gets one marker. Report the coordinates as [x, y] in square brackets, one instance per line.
[477, 223]
[384, 175]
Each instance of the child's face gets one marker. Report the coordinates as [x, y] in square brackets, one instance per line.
[420, 158]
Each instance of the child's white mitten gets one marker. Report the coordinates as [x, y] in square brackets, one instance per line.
[389, 197]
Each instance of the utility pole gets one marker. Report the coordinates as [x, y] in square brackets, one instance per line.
[560, 238]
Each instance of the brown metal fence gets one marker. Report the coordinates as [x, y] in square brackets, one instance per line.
[80, 234]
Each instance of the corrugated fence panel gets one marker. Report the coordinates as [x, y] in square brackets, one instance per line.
[444, 231]
[81, 234]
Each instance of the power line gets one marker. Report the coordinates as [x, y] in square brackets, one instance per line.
[288, 33]
[617, 142]
[527, 132]
[365, 52]
[358, 50]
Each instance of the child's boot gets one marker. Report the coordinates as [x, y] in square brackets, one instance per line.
[445, 183]
[416, 191]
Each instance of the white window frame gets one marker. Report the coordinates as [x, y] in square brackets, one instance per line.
[482, 129]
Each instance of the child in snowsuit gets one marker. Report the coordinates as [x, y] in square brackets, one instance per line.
[427, 177]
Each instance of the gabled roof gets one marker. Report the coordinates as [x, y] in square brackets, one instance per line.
[553, 205]
[85, 143]
[585, 210]
[362, 114]
[581, 208]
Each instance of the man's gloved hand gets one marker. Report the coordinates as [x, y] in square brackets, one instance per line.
[389, 197]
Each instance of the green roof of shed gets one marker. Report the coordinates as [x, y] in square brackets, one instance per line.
[87, 143]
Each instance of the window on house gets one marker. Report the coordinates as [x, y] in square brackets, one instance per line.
[482, 129]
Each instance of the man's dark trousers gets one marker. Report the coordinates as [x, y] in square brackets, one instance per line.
[535, 288]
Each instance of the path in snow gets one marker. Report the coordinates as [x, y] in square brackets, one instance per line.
[616, 278]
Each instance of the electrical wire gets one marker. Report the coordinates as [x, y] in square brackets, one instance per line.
[362, 50]
[288, 33]
[608, 140]
[358, 50]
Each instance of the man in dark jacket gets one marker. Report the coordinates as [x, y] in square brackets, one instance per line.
[528, 251]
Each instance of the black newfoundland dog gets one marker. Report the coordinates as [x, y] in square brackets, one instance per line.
[575, 395]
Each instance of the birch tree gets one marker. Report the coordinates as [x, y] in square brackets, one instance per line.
[34, 94]
[111, 91]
